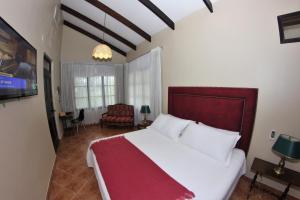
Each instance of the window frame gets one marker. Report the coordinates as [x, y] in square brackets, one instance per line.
[103, 96]
[108, 86]
[81, 86]
[89, 96]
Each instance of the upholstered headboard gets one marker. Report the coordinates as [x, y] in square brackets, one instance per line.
[226, 108]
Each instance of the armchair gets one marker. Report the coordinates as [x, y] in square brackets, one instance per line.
[118, 115]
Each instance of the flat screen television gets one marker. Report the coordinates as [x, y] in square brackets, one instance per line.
[18, 58]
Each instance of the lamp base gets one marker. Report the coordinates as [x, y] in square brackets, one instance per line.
[145, 119]
[145, 122]
[279, 170]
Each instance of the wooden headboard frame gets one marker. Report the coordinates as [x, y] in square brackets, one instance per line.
[226, 108]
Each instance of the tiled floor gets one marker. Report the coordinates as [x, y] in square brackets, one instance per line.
[73, 180]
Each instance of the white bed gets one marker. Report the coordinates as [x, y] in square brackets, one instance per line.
[205, 177]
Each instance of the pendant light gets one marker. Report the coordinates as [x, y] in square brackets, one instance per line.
[102, 51]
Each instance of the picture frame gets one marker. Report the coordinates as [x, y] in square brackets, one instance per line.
[18, 64]
[289, 27]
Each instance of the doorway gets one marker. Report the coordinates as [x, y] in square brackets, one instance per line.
[49, 102]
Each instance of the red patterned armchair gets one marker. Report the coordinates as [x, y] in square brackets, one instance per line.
[118, 115]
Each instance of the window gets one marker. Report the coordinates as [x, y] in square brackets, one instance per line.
[95, 91]
[109, 88]
[81, 93]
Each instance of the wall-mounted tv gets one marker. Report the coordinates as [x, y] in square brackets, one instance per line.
[18, 58]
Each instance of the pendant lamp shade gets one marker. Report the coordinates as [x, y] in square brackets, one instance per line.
[102, 52]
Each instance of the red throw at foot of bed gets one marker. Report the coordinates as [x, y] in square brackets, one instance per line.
[129, 174]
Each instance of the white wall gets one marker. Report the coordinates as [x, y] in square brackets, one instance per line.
[238, 46]
[77, 47]
[26, 150]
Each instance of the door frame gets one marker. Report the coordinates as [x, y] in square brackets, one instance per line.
[48, 59]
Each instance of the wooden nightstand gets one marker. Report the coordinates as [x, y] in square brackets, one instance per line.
[142, 125]
[265, 169]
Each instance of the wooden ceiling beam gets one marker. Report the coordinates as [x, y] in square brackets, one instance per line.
[120, 18]
[209, 5]
[84, 32]
[158, 13]
[97, 25]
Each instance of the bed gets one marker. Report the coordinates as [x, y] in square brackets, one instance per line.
[226, 108]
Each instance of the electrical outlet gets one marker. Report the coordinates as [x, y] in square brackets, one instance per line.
[273, 135]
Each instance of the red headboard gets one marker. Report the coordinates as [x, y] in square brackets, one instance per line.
[226, 108]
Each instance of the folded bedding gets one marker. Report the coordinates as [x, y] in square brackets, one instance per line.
[129, 174]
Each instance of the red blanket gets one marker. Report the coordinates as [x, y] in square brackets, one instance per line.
[130, 175]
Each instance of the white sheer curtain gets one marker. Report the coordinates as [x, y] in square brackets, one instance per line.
[143, 83]
[74, 91]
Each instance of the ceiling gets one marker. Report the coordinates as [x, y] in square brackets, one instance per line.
[135, 12]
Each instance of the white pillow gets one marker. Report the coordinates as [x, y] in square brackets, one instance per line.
[170, 126]
[226, 132]
[159, 122]
[216, 143]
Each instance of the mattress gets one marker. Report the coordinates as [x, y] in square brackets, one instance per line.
[206, 178]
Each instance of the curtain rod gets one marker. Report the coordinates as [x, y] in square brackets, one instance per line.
[91, 63]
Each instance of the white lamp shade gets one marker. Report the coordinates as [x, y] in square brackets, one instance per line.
[102, 52]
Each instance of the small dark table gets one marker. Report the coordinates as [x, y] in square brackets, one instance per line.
[143, 125]
[265, 169]
[65, 117]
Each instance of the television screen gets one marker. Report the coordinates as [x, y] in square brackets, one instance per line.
[18, 76]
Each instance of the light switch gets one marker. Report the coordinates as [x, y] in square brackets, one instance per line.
[273, 135]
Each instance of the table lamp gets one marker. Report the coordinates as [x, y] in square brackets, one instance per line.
[145, 109]
[287, 147]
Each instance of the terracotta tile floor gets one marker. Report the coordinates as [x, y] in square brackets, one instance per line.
[73, 180]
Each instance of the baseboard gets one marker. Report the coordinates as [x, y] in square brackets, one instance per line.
[50, 179]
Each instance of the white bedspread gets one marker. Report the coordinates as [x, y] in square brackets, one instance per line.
[207, 178]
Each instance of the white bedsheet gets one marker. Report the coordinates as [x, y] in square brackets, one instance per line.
[207, 178]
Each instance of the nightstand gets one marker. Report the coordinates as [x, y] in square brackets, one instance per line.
[266, 169]
[143, 125]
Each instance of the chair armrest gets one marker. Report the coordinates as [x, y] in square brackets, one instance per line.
[104, 114]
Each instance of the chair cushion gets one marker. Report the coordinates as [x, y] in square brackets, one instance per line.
[108, 118]
[124, 119]
[120, 110]
[117, 119]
